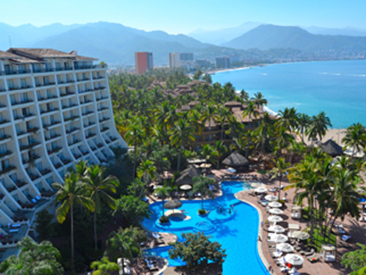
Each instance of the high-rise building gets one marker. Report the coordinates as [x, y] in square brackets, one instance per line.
[203, 63]
[186, 56]
[55, 110]
[174, 60]
[223, 62]
[143, 62]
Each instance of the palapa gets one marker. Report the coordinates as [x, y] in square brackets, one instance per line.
[331, 148]
[187, 175]
[235, 159]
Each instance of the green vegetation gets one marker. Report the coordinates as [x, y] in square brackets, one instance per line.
[319, 238]
[201, 185]
[33, 259]
[356, 260]
[104, 267]
[197, 249]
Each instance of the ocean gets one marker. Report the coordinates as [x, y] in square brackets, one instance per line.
[336, 87]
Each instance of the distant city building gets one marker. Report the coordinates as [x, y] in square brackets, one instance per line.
[174, 60]
[235, 59]
[143, 62]
[186, 57]
[223, 62]
[203, 63]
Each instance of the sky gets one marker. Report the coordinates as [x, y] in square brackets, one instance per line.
[184, 16]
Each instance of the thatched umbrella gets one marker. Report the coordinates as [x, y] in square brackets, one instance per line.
[187, 175]
[173, 204]
[236, 160]
[331, 148]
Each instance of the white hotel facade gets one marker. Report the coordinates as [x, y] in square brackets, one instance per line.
[55, 110]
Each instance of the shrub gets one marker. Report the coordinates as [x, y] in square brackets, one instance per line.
[164, 219]
[202, 211]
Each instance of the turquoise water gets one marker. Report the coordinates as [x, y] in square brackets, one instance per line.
[236, 232]
[336, 87]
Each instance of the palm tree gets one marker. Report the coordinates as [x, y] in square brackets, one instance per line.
[244, 95]
[209, 153]
[318, 126]
[147, 170]
[251, 111]
[134, 136]
[355, 138]
[69, 193]
[181, 135]
[201, 185]
[259, 100]
[283, 140]
[280, 169]
[303, 123]
[33, 259]
[207, 78]
[287, 119]
[104, 267]
[210, 115]
[123, 243]
[163, 192]
[98, 185]
[221, 149]
[224, 115]
[264, 130]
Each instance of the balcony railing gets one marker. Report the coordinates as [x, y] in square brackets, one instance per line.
[102, 109]
[72, 105]
[3, 137]
[98, 77]
[104, 129]
[66, 161]
[72, 130]
[104, 119]
[52, 137]
[99, 145]
[7, 153]
[90, 124]
[21, 102]
[15, 72]
[84, 79]
[49, 110]
[83, 67]
[66, 94]
[90, 135]
[29, 146]
[33, 158]
[57, 165]
[64, 69]
[99, 88]
[76, 141]
[32, 130]
[76, 156]
[20, 183]
[46, 98]
[112, 138]
[23, 116]
[7, 169]
[54, 150]
[4, 121]
[43, 70]
[86, 101]
[34, 177]
[45, 171]
[101, 98]
[71, 118]
[87, 113]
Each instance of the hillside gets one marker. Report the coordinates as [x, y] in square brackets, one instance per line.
[266, 37]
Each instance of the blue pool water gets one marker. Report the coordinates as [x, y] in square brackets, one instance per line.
[336, 87]
[236, 232]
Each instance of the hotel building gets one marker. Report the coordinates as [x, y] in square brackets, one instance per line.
[55, 110]
[143, 62]
[174, 60]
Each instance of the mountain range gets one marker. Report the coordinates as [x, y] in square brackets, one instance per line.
[115, 43]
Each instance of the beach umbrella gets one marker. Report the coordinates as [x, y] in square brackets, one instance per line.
[279, 238]
[231, 170]
[205, 165]
[172, 204]
[285, 247]
[294, 259]
[275, 204]
[271, 198]
[276, 228]
[301, 235]
[275, 211]
[186, 187]
[260, 190]
[274, 219]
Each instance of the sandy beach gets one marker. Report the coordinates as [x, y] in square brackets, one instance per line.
[336, 134]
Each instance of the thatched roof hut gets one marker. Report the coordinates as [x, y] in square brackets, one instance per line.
[235, 160]
[331, 148]
[187, 175]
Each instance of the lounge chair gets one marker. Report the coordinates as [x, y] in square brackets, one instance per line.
[152, 267]
[313, 258]
[340, 231]
[311, 252]
[346, 237]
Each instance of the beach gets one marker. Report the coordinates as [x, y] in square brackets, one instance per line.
[336, 134]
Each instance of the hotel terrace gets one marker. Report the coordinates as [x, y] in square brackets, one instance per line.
[55, 110]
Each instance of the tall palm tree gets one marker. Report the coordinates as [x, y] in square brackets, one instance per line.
[163, 192]
[259, 100]
[264, 130]
[224, 115]
[251, 111]
[104, 267]
[279, 171]
[303, 123]
[147, 171]
[355, 138]
[181, 135]
[98, 185]
[122, 242]
[287, 119]
[134, 136]
[209, 114]
[201, 185]
[221, 149]
[81, 167]
[209, 153]
[283, 140]
[318, 126]
[70, 193]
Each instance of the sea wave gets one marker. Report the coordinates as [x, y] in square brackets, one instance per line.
[268, 110]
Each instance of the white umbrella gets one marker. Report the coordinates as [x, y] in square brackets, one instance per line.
[275, 211]
[294, 259]
[300, 235]
[271, 198]
[285, 247]
[231, 170]
[275, 204]
[276, 228]
[186, 187]
[260, 190]
[274, 219]
[279, 238]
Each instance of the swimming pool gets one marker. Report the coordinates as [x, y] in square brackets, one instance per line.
[237, 232]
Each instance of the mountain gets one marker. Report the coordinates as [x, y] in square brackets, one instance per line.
[334, 31]
[266, 37]
[221, 36]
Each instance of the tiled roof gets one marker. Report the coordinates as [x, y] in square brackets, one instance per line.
[39, 53]
[7, 55]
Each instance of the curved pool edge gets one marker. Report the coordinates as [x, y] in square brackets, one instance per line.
[260, 230]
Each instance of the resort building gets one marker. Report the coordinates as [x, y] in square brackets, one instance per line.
[203, 63]
[223, 62]
[174, 60]
[55, 110]
[186, 56]
[143, 62]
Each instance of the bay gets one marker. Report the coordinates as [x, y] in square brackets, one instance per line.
[336, 87]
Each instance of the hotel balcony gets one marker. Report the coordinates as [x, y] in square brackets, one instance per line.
[85, 102]
[72, 130]
[77, 156]
[64, 69]
[52, 137]
[49, 110]
[4, 121]
[90, 135]
[51, 124]
[47, 98]
[12, 72]
[29, 146]
[86, 91]
[83, 67]
[20, 183]
[112, 138]
[45, 171]
[7, 169]
[21, 102]
[71, 118]
[33, 158]
[99, 145]
[105, 129]
[87, 113]
[7, 153]
[65, 161]
[102, 98]
[98, 77]
[70, 106]
[54, 150]
[102, 109]
[10, 188]
[99, 88]
[43, 70]
[83, 79]
[57, 165]
[45, 84]
[23, 116]
[3, 105]
[67, 94]
[104, 119]
[88, 125]
[75, 142]
[4, 137]
[32, 129]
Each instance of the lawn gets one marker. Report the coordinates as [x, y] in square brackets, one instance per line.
[305, 214]
[318, 239]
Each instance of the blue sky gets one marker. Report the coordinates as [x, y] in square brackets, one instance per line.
[183, 16]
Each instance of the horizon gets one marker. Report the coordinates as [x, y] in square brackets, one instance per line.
[327, 14]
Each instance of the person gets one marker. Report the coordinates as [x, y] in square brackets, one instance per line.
[259, 239]
[262, 223]
[232, 207]
[220, 209]
[270, 268]
[229, 210]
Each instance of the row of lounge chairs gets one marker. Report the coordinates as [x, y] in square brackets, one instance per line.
[151, 264]
[241, 177]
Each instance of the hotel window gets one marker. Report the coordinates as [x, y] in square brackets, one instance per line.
[58, 66]
[48, 66]
[54, 145]
[13, 177]
[2, 133]
[39, 186]
[15, 197]
[39, 95]
[17, 128]
[5, 164]
[12, 99]
[36, 67]
[39, 166]
[48, 91]
[26, 192]
[7, 68]
[3, 148]
[37, 81]
[58, 79]
[52, 119]
[10, 84]
[23, 83]
[46, 80]
[21, 68]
